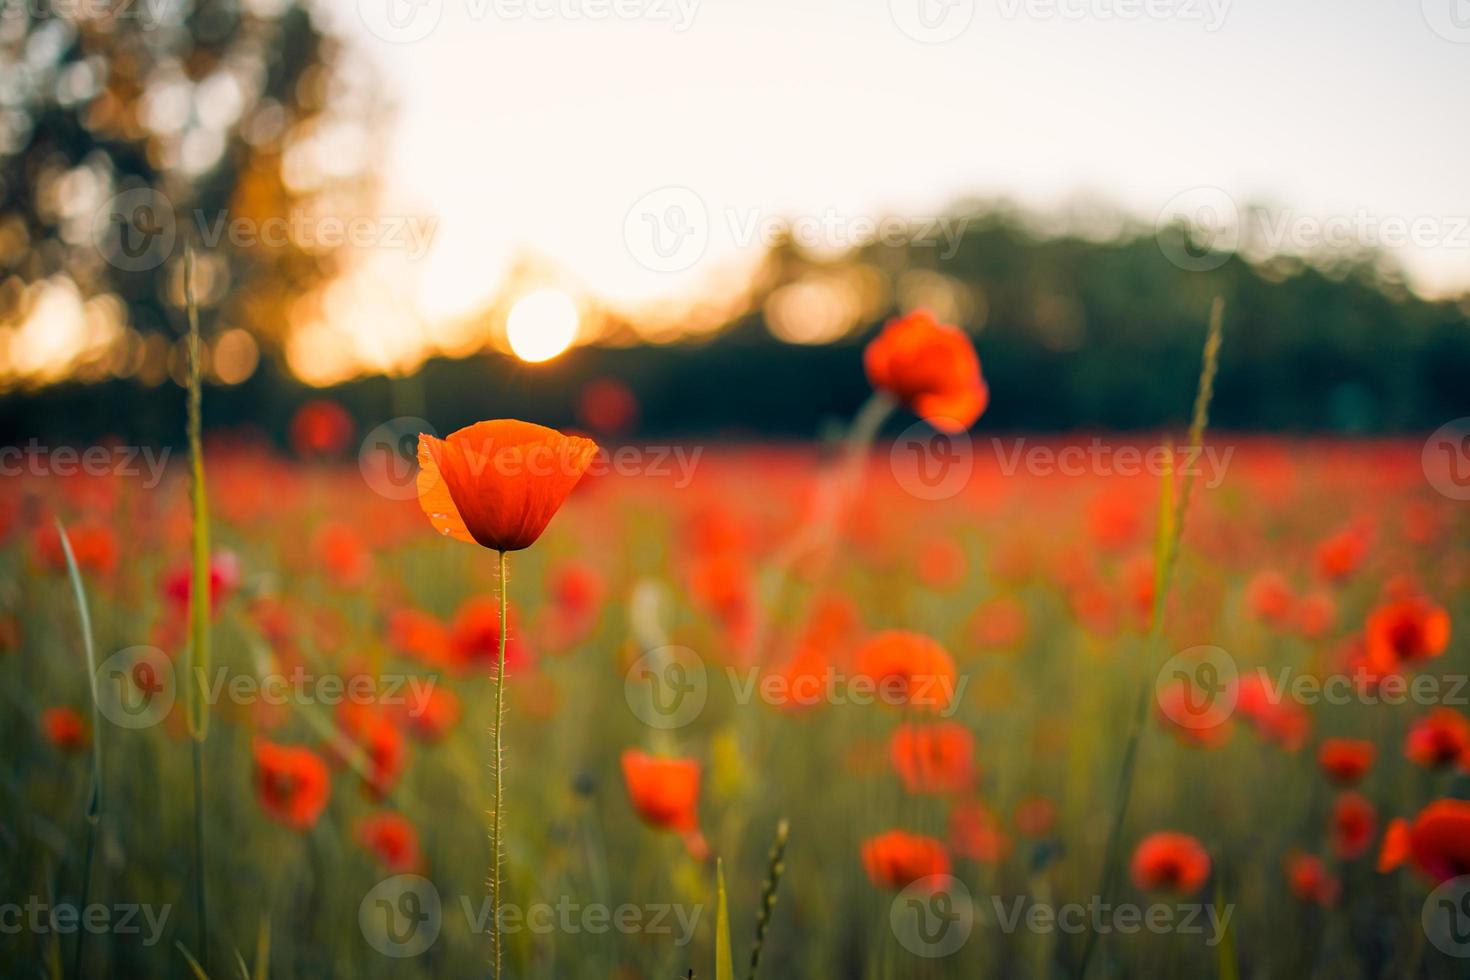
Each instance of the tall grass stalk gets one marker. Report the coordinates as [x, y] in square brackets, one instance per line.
[1171, 531]
[497, 750]
[199, 602]
[94, 801]
[774, 872]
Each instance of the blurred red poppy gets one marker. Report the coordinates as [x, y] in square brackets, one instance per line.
[908, 668]
[377, 743]
[1340, 555]
[392, 840]
[1268, 599]
[291, 783]
[607, 405]
[1172, 862]
[665, 792]
[65, 728]
[1346, 760]
[474, 637]
[976, 833]
[931, 367]
[1000, 623]
[93, 545]
[1440, 739]
[499, 483]
[1309, 879]
[224, 578]
[1354, 824]
[896, 859]
[1394, 850]
[1405, 631]
[321, 428]
[933, 758]
[1439, 839]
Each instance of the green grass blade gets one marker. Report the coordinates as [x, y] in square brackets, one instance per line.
[199, 604]
[84, 614]
[724, 961]
[194, 966]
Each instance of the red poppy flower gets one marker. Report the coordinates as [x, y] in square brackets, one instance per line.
[896, 859]
[499, 483]
[321, 428]
[1394, 850]
[343, 554]
[937, 758]
[1197, 718]
[909, 668]
[475, 637]
[1172, 862]
[378, 744]
[1285, 723]
[93, 545]
[1268, 598]
[391, 839]
[1405, 631]
[931, 367]
[607, 405]
[941, 564]
[1346, 760]
[1309, 879]
[420, 635]
[1341, 554]
[665, 792]
[975, 832]
[999, 624]
[434, 715]
[1439, 839]
[65, 728]
[291, 783]
[1440, 739]
[1315, 614]
[224, 578]
[1354, 823]
[577, 591]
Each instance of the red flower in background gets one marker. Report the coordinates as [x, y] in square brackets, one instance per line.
[607, 405]
[1000, 623]
[941, 564]
[665, 793]
[935, 758]
[896, 859]
[1440, 739]
[475, 637]
[1315, 614]
[224, 578]
[1309, 879]
[1285, 723]
[1354, 823]
[1269, 599]
[344, 555]
[93, 545]
[376, 743]
[910, 668]
[1341, 554]
[931, 367]
[392, 840]
[1346, 760]
[65, 728]
[291, 783]
[321, 428]
[432, 716]
[499, 483]
[1406, 631]
[1394, 850]
[975, 832]
[1439, 839]
[1172, 862]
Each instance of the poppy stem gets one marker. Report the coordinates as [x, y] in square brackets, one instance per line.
[497, 751]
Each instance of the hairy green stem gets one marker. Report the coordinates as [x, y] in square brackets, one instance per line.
[496, 749]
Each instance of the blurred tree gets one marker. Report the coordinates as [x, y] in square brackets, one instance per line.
[129, 126]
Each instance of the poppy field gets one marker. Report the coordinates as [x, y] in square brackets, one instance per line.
[922, 700]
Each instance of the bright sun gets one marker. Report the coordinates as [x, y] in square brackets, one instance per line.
[542, 324]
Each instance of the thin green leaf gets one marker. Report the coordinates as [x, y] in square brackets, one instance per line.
[194, 966]
[84, 614]
[724, 960]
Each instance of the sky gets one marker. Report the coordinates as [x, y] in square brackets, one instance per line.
[642, 147]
